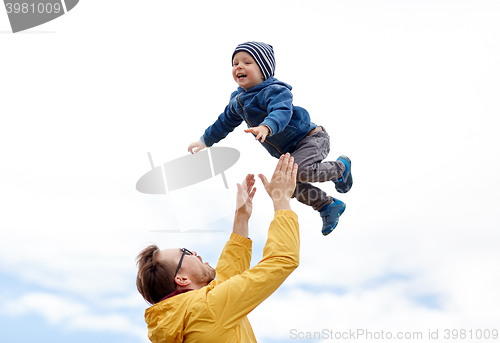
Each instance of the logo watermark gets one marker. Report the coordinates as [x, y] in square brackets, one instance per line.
[26, 14]
[193, 187]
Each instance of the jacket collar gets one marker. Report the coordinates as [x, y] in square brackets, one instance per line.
[176, 292]
[263, 84]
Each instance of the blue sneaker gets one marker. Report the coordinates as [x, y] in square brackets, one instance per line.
[344, 184]
[330, 215]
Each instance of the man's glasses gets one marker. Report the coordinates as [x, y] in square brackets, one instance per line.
[184, 252]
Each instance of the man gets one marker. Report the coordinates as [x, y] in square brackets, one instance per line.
[189, 305]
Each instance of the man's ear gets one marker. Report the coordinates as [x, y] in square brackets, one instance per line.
[182, 281]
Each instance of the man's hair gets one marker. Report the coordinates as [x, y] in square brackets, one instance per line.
[155, 279]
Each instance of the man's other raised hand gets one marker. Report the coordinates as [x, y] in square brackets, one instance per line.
[282, 184]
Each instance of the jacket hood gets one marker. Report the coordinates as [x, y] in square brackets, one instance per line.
[166, 319]
[270, 81]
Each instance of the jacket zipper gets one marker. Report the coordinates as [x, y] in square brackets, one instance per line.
[246, 119]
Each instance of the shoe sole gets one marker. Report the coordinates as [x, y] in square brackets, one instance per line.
[338, 217]
[348, 179]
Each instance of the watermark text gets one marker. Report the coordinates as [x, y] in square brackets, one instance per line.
[365, 334]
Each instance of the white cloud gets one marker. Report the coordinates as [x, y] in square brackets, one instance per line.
[73, 315]
[54, 308]
[386, 308]
[113, 323]
[407, 90]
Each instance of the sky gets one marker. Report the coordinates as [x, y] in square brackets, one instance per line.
[407, 89]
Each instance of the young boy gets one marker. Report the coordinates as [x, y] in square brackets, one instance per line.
[265, 104]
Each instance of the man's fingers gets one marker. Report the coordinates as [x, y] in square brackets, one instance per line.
[245, 180]
[250, 186]
[248, 182]
[264, 181]
[284, 165]
[252, 193]
[251, 182]
[290, 164]
[294, 171]
[280, 162]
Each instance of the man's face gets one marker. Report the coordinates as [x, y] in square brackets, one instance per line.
[246, 71]
[192, 266]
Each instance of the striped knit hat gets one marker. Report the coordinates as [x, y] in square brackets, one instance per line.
[262, 53]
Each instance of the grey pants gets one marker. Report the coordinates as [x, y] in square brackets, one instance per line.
[309, 154]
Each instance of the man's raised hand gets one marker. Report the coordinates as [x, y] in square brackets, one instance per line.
[244, 197]
[282, 184]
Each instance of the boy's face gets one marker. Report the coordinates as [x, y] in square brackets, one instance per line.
[246, 71]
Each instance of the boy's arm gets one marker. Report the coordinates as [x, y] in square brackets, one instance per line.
[278, 100]
[225, 123]
[260, 132]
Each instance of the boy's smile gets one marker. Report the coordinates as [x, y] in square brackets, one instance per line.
[246, 71]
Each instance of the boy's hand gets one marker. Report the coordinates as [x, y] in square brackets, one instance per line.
[196, 146]
[261, 131]
[282, 184]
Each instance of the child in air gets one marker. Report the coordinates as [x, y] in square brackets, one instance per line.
[265, 104]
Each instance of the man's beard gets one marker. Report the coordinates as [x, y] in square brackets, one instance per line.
[209, 275]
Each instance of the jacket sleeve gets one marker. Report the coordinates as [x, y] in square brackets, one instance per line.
[233, 299]
[278, 100]
[224, 124]
[235, 258]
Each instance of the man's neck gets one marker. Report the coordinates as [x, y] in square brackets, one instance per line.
[176, 292]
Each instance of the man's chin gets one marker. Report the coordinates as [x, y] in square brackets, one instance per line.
[210, 275]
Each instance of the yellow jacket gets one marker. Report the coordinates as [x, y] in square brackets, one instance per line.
[218, 312]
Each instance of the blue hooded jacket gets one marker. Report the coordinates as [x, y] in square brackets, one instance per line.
[269, 103]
